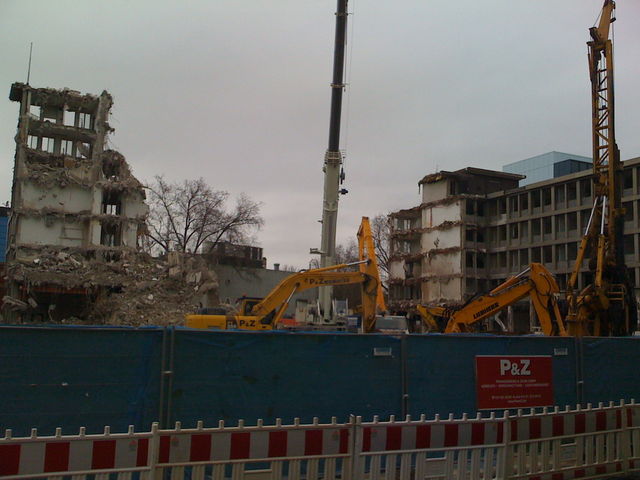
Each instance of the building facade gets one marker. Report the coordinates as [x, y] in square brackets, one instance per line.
[460, 241]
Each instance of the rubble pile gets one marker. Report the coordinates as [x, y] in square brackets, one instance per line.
[123, 287]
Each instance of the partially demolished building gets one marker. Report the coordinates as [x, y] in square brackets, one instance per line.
[476, 227]
[77, 213]
[430, 242]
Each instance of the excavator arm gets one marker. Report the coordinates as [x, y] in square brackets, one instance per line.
[536, 282]
[278, 300]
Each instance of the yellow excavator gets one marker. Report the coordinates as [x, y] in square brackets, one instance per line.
[264, 314]
[535, 282]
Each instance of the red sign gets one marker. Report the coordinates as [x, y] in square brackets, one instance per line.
[513, 381]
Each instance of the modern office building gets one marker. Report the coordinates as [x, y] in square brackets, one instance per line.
[548, 165]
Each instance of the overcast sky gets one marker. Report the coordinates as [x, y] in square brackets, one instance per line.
[237, 91]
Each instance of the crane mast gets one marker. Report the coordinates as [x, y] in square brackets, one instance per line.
[333, 172]
[607, 305]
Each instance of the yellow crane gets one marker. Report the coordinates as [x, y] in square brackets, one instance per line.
[606, 306]
[535, 282]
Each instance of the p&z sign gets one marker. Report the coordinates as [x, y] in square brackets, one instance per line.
[513, 381]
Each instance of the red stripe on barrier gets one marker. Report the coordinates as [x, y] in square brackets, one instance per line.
[477, 433]
[344, 440]
[601, 421]
[423, 436]
[142, 455]
[451, 435]
[165, 448]
[630, 413]
[278, 444]
[580, 423]
[579, 473]
[601, 469]
[394, 438]
[56, 457]
[104, 454]
[500, 435]
[618, 418]
[366, 439]
[557, 476]
[200, 447]
[313, 442]
[535, 428]
[558, 425]
[240, 445]
[9, 459]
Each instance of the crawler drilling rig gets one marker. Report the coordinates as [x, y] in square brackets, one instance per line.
[606, 306]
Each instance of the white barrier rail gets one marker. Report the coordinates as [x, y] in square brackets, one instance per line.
[552, 444]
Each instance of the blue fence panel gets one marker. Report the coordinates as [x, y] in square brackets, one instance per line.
[610, 368]
[71, 377]
[233, 375]
[441, 368]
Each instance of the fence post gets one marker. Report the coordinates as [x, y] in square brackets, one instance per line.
[155, 473]
[355, 458]
[504, 468]
[625, 444]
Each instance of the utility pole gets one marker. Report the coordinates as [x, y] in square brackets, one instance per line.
[333, 172]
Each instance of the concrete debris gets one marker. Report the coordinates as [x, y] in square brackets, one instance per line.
[131, 289]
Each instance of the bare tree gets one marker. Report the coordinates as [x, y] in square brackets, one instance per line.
[183, 216]
[381, 231]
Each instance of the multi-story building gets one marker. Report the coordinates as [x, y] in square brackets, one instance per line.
[70, 195]
[476, 227]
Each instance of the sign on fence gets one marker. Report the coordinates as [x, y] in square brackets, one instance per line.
[504, 382]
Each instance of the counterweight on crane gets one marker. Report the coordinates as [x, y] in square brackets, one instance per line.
[333, 172]
[607, 305]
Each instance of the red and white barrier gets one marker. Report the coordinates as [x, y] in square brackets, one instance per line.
[230, 444]
[71, 454]
[435, 434]
[549, 445]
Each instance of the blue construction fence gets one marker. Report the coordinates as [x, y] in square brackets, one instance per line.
[69, 376]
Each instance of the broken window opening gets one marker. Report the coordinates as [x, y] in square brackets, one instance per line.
[110, 235]
[48, 144]
[84, 120]
[66, 147]
[83, 150]
[32, 142]
[69, 118]
[34, 111]
[111, 169]
[112, 203]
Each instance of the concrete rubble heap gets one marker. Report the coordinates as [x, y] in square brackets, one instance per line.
[77, 214]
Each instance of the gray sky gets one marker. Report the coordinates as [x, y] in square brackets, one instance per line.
[238, 92]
